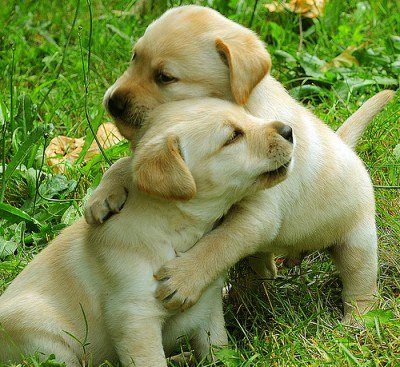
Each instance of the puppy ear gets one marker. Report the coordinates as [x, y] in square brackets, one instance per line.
[248, 62]
[161, 171]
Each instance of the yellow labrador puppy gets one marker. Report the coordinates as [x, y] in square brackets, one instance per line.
[199, 156]
[193, 51]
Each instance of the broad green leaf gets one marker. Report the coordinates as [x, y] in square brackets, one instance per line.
[396, 151]
[70, 216]
[343, 88]
[229, 357]
[56, 185]
[306, 90]
[287, 57]
[371, 57]
[312, 65]
[383, 316]
[396, 66]
[396, 42]
[383, 80]
[15, 215]
[51, 361]
[6, 247]
[351, 84]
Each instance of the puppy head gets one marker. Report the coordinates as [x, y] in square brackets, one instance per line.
[189, 52]
[211, 148]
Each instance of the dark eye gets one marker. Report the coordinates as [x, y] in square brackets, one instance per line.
[164, 78]
[236, 135]
[133, 56]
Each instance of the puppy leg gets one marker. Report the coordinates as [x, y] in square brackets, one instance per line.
[250, 224]
[21, 335]
[44, 345]
[263, 264]
[137, 338]
[138, 342]
[357, 260]
[110, 196]
[213, 333]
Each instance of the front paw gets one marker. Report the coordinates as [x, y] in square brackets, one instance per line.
[179, 286]
[355, 309]
[104, 203]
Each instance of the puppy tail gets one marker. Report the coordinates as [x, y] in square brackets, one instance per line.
[354, 126]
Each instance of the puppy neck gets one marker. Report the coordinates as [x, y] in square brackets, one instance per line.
[270, 100]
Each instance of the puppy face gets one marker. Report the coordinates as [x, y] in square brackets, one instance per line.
[190, 52]
[209, 149]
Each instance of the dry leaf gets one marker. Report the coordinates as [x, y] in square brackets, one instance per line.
[63, 150]
[346, 59]
[307, 8]
[275, 7]
[108, 136]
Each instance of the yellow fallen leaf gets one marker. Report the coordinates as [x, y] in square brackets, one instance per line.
[108, 136]
[307, 8]
[63, 149]
[346, 59]
[275, 7]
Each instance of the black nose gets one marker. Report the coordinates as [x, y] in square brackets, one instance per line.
[117, 104]
[286, 132]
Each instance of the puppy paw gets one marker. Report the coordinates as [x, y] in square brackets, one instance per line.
[183, 359]
[353, 321]
[355, 309]
[104, 203]
[178, 287]
[263, 264]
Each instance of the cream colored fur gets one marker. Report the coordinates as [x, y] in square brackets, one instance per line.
[354, 126]
[107, 272]
[327, 202]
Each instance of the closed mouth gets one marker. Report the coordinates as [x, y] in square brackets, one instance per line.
[280, 170]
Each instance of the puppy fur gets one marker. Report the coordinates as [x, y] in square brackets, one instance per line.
[107, 272]
[328, 201]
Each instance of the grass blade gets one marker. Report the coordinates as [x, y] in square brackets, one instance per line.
[23, 150]
[349, 355]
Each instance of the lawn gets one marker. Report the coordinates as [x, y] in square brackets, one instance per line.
[331, 63]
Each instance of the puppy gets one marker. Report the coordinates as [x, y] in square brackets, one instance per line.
[192, 165]
[193, 51]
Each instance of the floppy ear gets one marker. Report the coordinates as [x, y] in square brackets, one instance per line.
[248, 62]
[161, 171]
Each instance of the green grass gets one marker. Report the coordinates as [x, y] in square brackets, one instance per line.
[293, 320]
